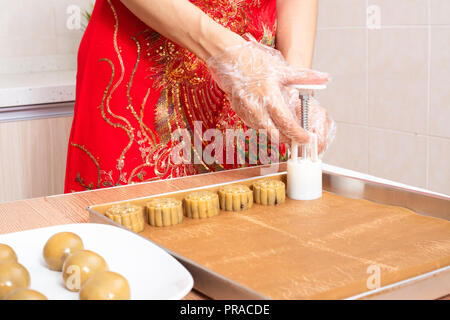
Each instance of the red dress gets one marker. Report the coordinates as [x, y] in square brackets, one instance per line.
[135, 87]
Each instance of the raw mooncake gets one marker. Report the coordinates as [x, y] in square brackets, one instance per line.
[129, 215]
[201, 204]
[235, 198]
[269, 192]
[164, 212]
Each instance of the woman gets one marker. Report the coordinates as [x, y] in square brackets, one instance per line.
[149, 67]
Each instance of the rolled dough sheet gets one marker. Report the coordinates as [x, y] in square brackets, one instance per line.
[318, 249]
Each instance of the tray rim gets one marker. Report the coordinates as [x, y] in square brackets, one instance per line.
[186, 190]
[409, 283]
[324, 170]
[327, 175]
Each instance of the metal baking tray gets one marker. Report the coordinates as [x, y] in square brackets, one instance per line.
[431, 285]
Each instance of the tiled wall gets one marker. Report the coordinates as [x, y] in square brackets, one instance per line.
[391, 90]
[34, 35]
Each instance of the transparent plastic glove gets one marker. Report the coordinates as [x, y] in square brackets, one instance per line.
[320, 122]
[255, 78]
[322, 125]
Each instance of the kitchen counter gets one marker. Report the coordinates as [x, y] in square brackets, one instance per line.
[71, 208]
[34, 88]
[37, 95]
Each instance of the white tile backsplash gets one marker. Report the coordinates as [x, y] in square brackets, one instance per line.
[398, 156]
[439, 167]
[440, 12]
[26, 18]
[439, 82]
[22, 46]
[68, 45]
[341, 13]
[402, 12]
[342, 53]
[62, 15]
[398, 66]
[350, 148]
[406, 137]
[33, 64]
[37, 31]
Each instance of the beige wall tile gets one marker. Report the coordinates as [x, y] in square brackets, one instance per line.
[398, 156]
[25, 47]
[342, 53]
[62, 16]
[439, 165]
[350, 148]
[35, 28]
[32, 64]
[402, 12]
[439, 12]
[341, 13]
[440, 83]
[68, 45]
[398, 79]
[26, 18]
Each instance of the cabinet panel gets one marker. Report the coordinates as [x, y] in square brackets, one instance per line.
[33, 157]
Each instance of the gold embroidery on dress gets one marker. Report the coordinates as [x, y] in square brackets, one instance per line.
[79, 178]
[184, 86]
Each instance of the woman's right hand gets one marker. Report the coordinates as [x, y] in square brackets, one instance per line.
[256, 78]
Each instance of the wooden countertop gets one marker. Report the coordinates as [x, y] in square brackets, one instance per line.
[71, 208]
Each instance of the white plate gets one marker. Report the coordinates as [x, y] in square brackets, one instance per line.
[151, 272]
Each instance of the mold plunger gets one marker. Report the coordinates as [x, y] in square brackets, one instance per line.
[304, 174]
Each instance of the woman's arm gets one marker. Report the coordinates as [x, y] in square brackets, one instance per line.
[185, 24]
[252, 75]
[296, 32]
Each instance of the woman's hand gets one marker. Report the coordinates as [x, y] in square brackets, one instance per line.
[256, 79]
[296, 32]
